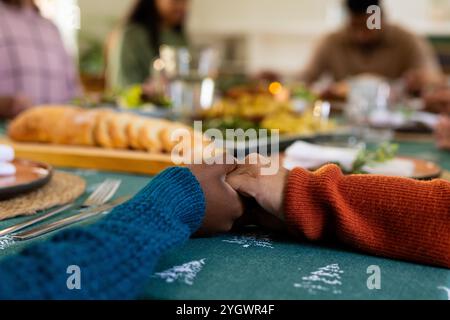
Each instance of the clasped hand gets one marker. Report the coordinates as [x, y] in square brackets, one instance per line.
[239, 194]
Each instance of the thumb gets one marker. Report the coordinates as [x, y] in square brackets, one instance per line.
[223, 164]
[243, 184]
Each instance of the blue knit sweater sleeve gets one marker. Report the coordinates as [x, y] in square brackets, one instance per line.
[116, 255]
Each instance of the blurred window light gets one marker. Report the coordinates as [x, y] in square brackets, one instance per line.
[65, 14]
[334, 14]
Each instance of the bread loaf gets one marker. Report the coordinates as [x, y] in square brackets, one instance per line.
[149, 134]
[105, 128]
[29, 125]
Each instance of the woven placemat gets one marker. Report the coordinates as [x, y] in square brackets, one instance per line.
[61, 189]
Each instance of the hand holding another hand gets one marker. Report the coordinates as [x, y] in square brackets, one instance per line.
[227, 186]
[267, 190]
[223, 204]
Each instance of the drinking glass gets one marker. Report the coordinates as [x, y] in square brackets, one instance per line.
[191, 78]
[367, 96]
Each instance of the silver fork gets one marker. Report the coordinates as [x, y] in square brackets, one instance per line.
[102, 194]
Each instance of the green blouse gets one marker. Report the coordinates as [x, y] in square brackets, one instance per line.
[130, 59]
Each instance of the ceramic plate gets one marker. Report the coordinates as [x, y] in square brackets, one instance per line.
[29, 176]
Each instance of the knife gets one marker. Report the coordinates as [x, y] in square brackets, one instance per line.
[56, 225]
[23, 225]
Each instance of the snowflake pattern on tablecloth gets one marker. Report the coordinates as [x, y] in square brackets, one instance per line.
[6, 242]
[326, 279]
[184, 273]
[447, 290]
[251, 240]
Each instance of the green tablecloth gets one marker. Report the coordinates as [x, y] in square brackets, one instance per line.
[258, 265]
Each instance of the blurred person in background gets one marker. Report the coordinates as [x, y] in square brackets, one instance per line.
[443, 133]
[34, 65]
[390, 52]
[133, 49]
[438, 101]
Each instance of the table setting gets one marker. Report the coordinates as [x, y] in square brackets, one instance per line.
[48, 198]
[197, 150]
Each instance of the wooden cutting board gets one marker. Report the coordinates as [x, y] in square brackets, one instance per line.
[91, 157]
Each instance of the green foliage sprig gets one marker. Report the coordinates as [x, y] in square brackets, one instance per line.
[385, 151]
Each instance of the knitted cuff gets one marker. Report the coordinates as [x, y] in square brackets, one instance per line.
[304, 203]
[178, 192]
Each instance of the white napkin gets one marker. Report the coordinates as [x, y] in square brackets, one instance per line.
[311, 156]
[307, 155]
[395, 167]
[6, 155]
[386, 118]
[429, 119]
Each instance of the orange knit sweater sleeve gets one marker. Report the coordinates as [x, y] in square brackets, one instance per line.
[387, 216]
